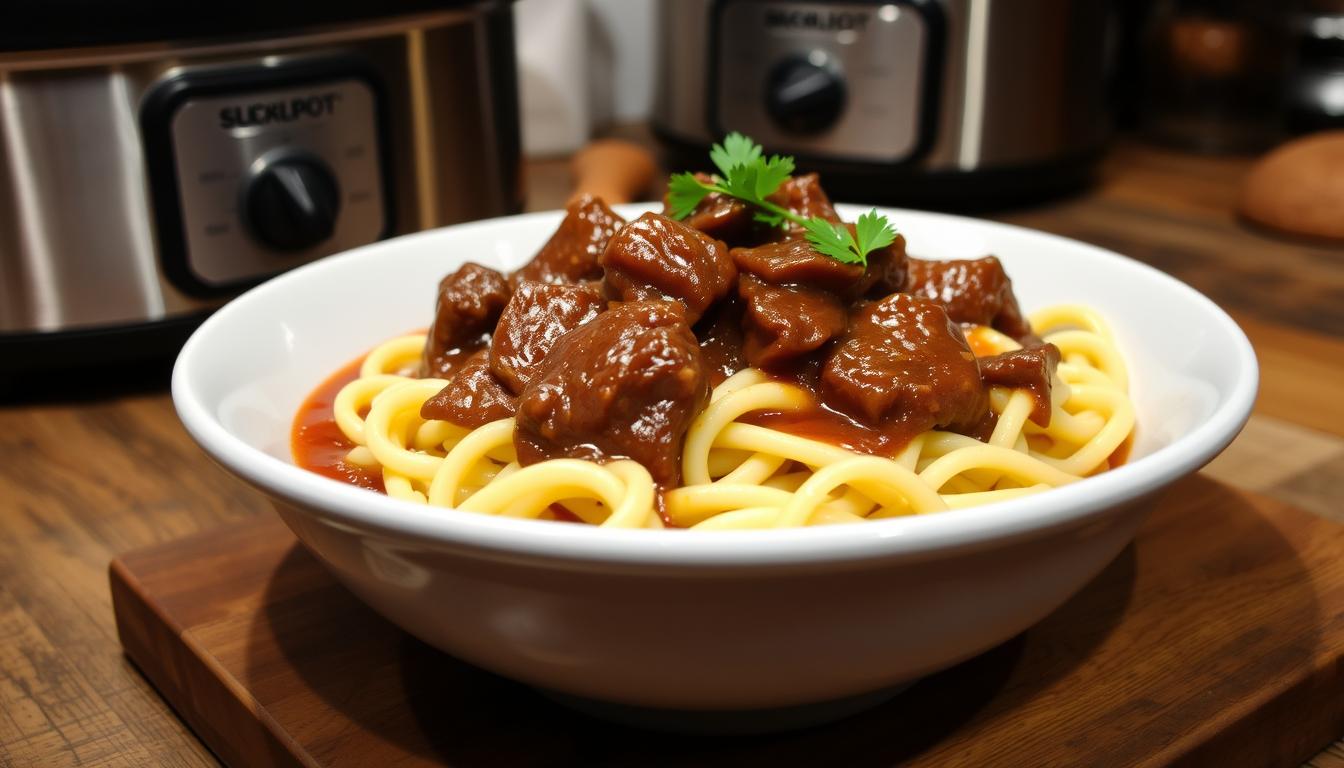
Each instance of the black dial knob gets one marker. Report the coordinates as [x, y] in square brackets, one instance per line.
[805, 94]
[290, 203]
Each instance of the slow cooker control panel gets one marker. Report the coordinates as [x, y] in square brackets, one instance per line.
[263, 169]
[845, 81]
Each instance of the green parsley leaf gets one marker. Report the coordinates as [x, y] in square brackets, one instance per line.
[834, 240]
[684, 192]
[741, 183]
[772, 173]
[873, 232]
[768, 218]
[736, 151]
[747, 175]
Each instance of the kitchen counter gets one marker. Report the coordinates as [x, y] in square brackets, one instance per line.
[93, 468]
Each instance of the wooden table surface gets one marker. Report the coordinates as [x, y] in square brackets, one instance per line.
[100, 465]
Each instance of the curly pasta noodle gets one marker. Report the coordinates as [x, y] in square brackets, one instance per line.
[738, 475]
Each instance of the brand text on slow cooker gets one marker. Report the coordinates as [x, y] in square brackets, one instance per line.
[284, 111]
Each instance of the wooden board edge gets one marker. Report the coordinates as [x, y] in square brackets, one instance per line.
[1288, 734]
[190, 682]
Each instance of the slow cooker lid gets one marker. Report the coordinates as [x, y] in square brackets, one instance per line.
[33, 25]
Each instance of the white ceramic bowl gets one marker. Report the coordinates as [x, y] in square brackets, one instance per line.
[707, 620]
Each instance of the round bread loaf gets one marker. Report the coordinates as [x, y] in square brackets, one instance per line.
[1299, 187]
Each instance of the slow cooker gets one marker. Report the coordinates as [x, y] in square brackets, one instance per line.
[158, 158]
[942, 103]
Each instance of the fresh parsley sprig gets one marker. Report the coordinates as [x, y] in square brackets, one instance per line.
[745, 173]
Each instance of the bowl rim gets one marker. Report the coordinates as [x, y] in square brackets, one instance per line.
[912, 536]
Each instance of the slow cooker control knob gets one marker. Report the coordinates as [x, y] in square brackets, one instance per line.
[291, 203]
[805, 94]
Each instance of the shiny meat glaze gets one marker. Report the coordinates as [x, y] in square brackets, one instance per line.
[474, 396]
[774, 335]
[625, 385]
[878, 346]
[974, 291]
[1031, 368]
[804, 196]
[904, 361]
[722, 218]
[796, 262]
[468, 307]
[536, 316]
[732, 221]
[571, 255]
[655, 257]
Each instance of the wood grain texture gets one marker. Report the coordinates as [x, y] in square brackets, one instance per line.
[1177, 212]
[96, 463]
[1216, 639]
[82, 482]
[1270, 453]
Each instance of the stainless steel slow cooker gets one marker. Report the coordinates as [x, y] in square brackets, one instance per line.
[953, 103]
[157, 158]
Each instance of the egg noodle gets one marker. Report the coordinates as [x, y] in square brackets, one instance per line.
[737, 475]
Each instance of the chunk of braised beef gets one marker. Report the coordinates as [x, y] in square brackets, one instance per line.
[903, 361]
[722, 218]
[886, 269]
[974, 291]
[473, 397]
[797, 262]
[537, 315]
[654, 257]
[469, 303]
[1030, 368]
[785, 322]
[626, 385]
[571, 254]
[720, 335]
[803, 195]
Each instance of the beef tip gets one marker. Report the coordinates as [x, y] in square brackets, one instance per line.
[537, 315]
[571, 254]
[886, 269]
[783, 322]
[803, 196]
[797, 262]
[903, 361]
[473, 397]
[1029, 368]
[654, 257]
[734, 222]
[720, 217]
[468, 307]
[626, 385]
[720, 335]
[974, 291]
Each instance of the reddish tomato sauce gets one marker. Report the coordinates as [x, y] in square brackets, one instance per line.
[979, 342]
[1121, 454]
[817, 422]
[318, 445]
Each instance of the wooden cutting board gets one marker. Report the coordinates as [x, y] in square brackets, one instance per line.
[1216, 639]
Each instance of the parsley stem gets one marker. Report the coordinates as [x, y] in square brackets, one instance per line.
[781, 211]
[765, 204]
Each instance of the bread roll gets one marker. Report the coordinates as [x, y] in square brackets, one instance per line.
[1299, 187]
